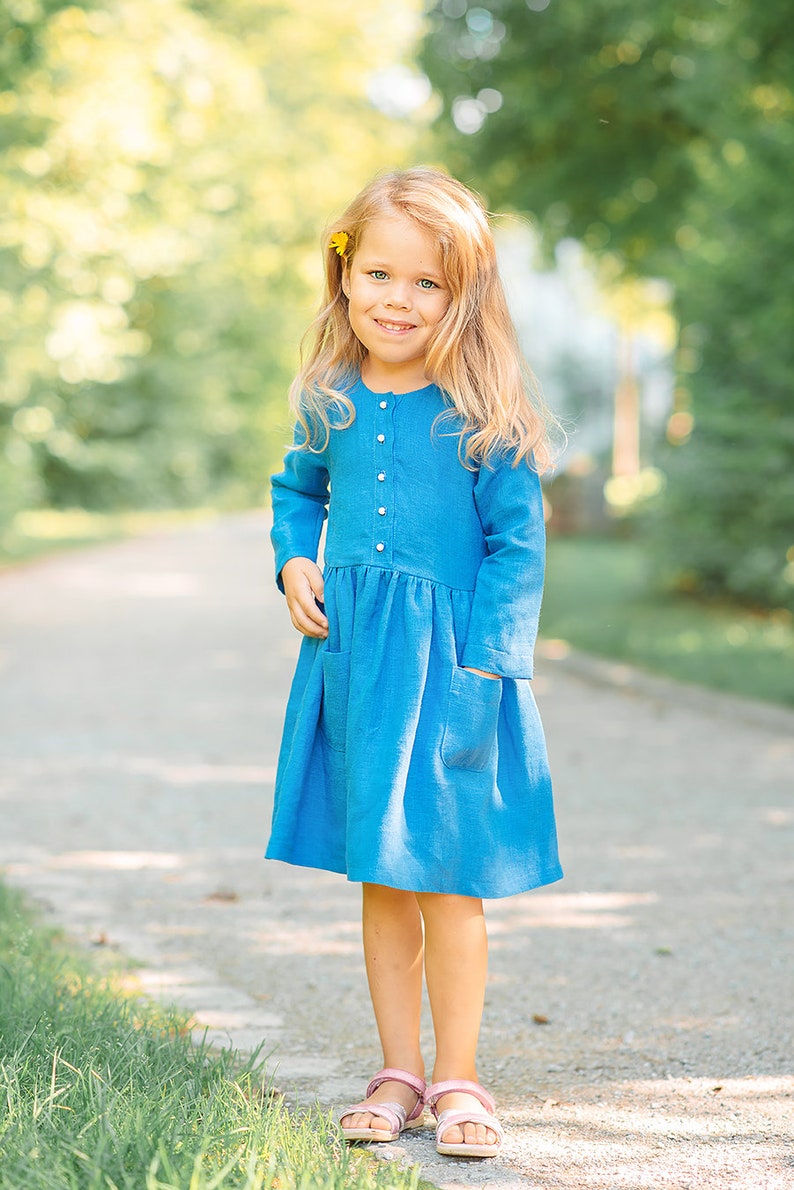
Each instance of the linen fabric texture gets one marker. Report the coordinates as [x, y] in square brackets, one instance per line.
[398, 766]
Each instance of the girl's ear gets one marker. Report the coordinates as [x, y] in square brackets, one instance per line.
[346, 281]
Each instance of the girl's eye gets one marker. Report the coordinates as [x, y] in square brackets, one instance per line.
[378, 274]
[426, 283]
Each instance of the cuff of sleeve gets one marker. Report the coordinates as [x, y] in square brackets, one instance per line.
[283, 556]
[293, 546]
[507, 665]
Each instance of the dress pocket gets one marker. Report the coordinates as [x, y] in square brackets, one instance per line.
[472, 718]
[336, 689]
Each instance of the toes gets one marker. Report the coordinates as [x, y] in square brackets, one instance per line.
[362, 1120]
[475, 1134]
[469, 1134]
[453, 1136]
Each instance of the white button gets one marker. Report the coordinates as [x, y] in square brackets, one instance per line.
[382, 511]
[381, 476]
[384, 404]
[380, 547]
[381, 437]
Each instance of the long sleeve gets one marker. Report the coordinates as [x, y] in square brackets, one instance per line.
[299, 496]
[504, 619]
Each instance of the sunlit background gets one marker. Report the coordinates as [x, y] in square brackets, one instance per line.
[168, 168]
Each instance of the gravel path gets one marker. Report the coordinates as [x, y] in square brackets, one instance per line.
[638, 1029]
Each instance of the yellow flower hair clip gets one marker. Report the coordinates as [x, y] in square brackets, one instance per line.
[339, 242]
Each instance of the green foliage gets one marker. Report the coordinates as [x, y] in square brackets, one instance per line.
[164, 175]
[599, 106]
[99, 1089]
[623, 615]
[661, 135]
[728, 522]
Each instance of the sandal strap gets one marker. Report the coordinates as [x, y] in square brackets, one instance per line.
[391, 1074]
[450, 1117]
[462, 1086]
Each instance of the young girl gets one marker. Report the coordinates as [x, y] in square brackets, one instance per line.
[413, 758]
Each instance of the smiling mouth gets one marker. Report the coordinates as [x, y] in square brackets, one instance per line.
[394, 327]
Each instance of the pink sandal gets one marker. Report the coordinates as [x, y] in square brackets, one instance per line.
[449, 1118]
[395, 1113]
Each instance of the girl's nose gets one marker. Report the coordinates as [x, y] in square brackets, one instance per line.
[399, 295]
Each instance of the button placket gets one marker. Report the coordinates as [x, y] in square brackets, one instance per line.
[382, 475]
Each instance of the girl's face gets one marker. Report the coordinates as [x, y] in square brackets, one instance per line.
[397, 296]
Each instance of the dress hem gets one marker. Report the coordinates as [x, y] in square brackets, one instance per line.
[552, 877]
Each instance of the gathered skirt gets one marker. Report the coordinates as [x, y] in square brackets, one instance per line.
[399, 767]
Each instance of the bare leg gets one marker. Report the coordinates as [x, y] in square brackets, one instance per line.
[456, 964]
[393, 947]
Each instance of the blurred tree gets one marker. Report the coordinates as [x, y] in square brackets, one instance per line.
[660, 134]
[165, 171]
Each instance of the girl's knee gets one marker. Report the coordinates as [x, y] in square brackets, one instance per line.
[382, 894]
[449, 905]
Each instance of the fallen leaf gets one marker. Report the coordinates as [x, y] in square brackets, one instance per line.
[222, 896]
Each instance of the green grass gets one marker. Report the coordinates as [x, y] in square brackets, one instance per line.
[102, 1090]
[600, 597]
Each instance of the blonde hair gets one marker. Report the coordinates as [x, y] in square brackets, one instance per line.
[474, 355]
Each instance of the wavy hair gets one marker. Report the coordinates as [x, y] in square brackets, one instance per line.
[473, 356]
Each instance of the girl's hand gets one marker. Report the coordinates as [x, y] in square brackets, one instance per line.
[303, 587]
[481, 672]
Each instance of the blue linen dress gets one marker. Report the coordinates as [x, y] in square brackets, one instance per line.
[397, 765]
